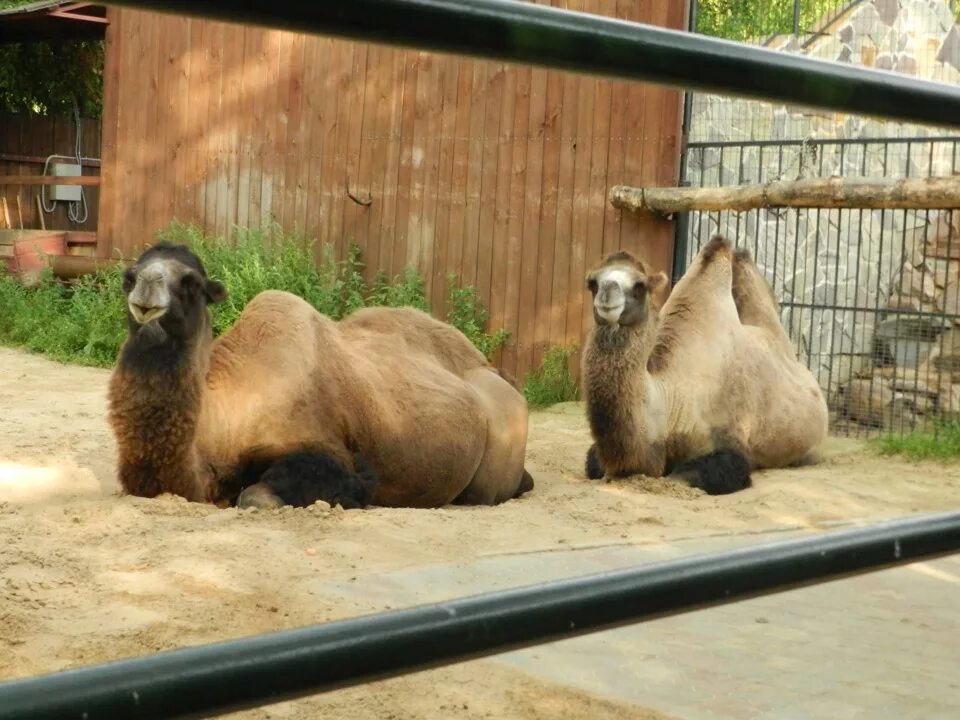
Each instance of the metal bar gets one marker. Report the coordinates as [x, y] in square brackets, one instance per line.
[821, 141]
[523, 32]
[239, 674]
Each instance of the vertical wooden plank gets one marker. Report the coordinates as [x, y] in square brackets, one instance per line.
[274, 96]
[356, 177]
[424, 97]
[431, 163]
[448, 127]
[404, 175]
[142, 96]
[597, 192]
[178, 106]
[546, 254]
[515, 216]
[333, 91]
[210, 145]
[339, 175]
[395, 91]
[582, 148]
[91, 148]
[231, 109]
[110, 183]
[317, 75]
[459, 171]
[488, 179]
[471, 219]
[291, 148]
[275, 166]
[562, 240]
[261, 46]
[501, 203]
[615, 153]
[308, 131]
[376, 141]
[245, 130]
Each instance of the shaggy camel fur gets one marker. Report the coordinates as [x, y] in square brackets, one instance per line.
[705, 389]
[388, 406]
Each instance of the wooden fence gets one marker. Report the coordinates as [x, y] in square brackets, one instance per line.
[25, 144]
[495, 173]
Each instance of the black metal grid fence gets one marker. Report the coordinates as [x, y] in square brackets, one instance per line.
[871, 298]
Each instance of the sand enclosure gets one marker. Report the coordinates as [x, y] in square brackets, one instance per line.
[88, 576]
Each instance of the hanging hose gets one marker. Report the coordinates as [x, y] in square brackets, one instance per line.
[77, 210]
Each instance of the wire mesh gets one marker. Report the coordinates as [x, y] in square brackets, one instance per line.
[871, 298]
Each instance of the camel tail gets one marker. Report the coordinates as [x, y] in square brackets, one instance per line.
[718, 473]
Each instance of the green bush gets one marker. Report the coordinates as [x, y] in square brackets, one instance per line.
[552, 382]
[465, 311]
[85, 322]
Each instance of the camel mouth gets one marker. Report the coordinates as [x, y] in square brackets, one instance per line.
[144, 314]
[610, 314]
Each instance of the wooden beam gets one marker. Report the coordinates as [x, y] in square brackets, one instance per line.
[49, 180]
[834, 192]
[40, 160]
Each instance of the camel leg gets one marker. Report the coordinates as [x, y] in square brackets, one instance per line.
[755, 300]
[302, 478]
[501, 474]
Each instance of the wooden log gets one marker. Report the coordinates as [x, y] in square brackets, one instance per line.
[49, 180]
[832, 192]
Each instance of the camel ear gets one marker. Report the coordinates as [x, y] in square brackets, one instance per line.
[216, 292]
[657, 282]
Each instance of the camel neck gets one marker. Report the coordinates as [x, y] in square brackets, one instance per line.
[155, 403]
[618, 390]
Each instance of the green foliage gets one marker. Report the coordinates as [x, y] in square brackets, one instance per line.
[746, 20]
[85, 322]
[552, 382]
[942, 443]
[47, 78]
[465, 311]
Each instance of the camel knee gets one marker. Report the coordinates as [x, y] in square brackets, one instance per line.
[594, 465]
[302, 478]
[526, 484]
[720, 472]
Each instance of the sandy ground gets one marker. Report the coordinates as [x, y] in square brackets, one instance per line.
[89, 576]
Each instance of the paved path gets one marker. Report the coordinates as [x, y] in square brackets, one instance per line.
[883, 645]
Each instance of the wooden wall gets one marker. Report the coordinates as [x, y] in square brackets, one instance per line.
[25, 143]
[496, 173]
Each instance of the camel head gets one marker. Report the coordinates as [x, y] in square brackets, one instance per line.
[622, 287]
[167, 291]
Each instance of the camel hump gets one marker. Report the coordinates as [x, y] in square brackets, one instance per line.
[719, 246]
[720, 472]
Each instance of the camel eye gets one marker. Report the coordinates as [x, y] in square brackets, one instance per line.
[129, 279]
[592, 285]
[639, 288]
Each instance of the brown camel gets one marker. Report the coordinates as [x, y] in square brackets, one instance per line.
[706, 388]
[388, 406]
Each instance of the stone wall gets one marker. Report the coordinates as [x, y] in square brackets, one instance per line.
[841, 274]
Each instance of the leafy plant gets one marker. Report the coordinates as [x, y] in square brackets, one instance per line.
[746, 20]
[465, 311]
[552, 382]
[85, 322]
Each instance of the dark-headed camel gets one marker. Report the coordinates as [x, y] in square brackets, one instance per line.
[388, 406]
[705, 389]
